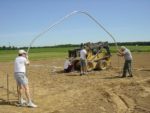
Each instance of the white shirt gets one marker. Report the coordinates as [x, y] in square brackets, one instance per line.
[127, 54]
[83, 53]
[66, 64]
[20, 63]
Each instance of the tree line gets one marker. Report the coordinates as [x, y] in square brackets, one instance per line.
[77, 45]
[131, 43]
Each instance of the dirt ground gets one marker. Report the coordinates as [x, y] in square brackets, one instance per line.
[96, 92]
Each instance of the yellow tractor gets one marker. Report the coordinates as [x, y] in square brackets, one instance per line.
[98, 56]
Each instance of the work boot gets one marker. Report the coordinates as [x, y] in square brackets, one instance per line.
[130, 76]
[123, 76]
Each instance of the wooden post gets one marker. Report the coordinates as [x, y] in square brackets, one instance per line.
[33, 90]
[7, 88]
[18, 92]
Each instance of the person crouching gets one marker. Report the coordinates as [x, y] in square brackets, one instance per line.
[68, 66]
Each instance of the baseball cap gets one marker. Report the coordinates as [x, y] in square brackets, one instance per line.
[21, 51]
[123, 47]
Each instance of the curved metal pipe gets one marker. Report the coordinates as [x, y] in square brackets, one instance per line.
[64, 18]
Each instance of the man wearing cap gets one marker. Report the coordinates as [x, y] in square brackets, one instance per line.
[128, 60]
[20, 76]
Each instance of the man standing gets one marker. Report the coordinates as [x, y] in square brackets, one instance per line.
[20, 76]
[128, 60]
[83, 61]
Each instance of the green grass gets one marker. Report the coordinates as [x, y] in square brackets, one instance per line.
[48, 53]
[36, 53]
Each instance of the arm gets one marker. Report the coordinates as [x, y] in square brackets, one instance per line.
[27, 62]
[120, 53]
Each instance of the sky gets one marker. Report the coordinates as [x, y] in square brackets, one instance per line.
[22, 20]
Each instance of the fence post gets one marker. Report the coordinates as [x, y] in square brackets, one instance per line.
[7, 87]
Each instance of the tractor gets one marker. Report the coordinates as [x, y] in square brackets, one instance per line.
[98, 56]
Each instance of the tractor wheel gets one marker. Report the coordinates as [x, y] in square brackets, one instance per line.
[76, 65]
[90, 66]
[101, 65]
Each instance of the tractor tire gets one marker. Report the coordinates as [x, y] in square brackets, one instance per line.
[101, 65]
[90, 66]
[76, 65]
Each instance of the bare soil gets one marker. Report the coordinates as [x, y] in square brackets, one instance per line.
[96, 92]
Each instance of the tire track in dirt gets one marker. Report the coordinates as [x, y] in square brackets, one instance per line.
[123, 103]
[119, 105]
[128, 104]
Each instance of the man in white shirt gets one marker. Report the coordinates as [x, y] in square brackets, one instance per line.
[67, 66]
[83, 61]
[128, 60]
[20, 76]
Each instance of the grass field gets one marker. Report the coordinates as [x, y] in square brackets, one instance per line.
[46, 53]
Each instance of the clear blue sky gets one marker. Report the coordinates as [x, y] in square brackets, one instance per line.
[22, 20]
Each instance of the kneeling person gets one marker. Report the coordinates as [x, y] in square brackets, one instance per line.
[67, 66]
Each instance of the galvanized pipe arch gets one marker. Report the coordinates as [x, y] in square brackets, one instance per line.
[64, 18]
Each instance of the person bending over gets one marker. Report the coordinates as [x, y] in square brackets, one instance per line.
[128, 61]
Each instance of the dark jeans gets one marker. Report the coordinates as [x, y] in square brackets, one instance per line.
[69, 69]
[127, 68]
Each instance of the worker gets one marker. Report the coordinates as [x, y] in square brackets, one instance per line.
[83, 60]
[67, 65]
[21, 79]
[128, 60]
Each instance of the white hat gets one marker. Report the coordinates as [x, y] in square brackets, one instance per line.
[21, 51]
[123, 47]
